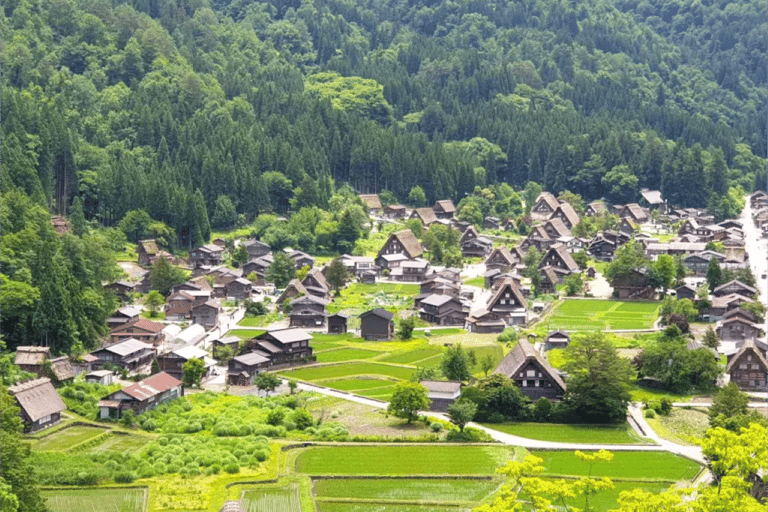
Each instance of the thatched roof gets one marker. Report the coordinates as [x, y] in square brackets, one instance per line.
[37, 398]
[524, 351]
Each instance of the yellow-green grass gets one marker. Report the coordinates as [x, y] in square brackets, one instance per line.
[285, 499]
[345, 354]
[121, 444]
[402, 460]
[67, 438]
[405, 489]
[359, 297]
[336, 371]
[412, 356]
[251, 321]
[326, 506]
[91, 500]
[476, 281]
[604, 434]
[245, 334]
[641, 394]
[608, 499]
[322, 338]
[356, 385]
[603, 314]
[445, 331]
[625, 464]
[384, 394]
[682, 426]
[320, 346]
[158, 315]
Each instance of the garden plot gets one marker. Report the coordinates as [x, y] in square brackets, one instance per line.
[373, 507]
[404, 489]
[90, 500]
[318, 373]
[121, 444]
[67, 437]
[682, 426]
[607, 434]
[603, 314]
[412, 357]
[284, 499]
[345, 354]
[402, 460]
[608, 499]
[629, 465]
[358, 298]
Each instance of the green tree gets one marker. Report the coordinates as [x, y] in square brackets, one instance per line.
[405, 328]
[154, 302]
[714, 274]
[500, 398]
[281, 270]
[487, 363]
[531, 192]
[598, 380]
[155, 368]
[729, 401]
[574, 284]
[407, 400]
[17, 473]
[462, 412]
[224, 214]
[267, 382]
[455, 363]
[736, 454]
[627, 259]
[77, 218]
[192, 372]
[292, 386]
[240, 255]
[164, 275]
[663, 271]
[417, 197]
[710, 339]
[338, 275]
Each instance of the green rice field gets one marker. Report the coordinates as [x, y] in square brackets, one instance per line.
[245, 334]
[121, 444]
[373, 507]
[608, 499]
[285, 499]
[357, 384]
[93, 500]
[345, 354]
[648, 465]
[405, 489]
[402, 460]
[586, 315]
[606, 434]
[67, 437]
[412, 356]
[346, 370]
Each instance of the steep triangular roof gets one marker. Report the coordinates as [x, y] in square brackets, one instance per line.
[518, 356]
[37, 398]
[748, 346]
[568, 212]
[507, 285]
[504, 253]
[560, 252]
[446, 205]
[426, 215]
[558, 226]
[372, 201]
[408, 240]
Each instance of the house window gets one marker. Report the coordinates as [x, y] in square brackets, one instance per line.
[44, 419]
[532, 383]
[531, 373]
[742, 367]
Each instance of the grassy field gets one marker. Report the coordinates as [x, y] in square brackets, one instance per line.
[359, 297]
[374, 507]
[92, 500]
[584, 315]
[357, 384]
[401, 460]
[317, 373]
[607, 500]
[648, 465]
[121, 444]
[272, 498]
[606, 434]
[405, 489]
[67, 437]
[476, 281]
[345, 354]
[412, 356]
[245, 334]
[682, 426]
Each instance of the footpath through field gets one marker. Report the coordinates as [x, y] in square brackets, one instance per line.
[635, 412]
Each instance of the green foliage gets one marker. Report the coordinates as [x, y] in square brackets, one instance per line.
[405, 328]
[678, 368]
[714, 274]
[281, 270]
[407, 400]
[352, 95]
[193, 371]
[338, 275]
[442, 242]
[462, 412]
[455, 363]
[267, 381]
[417, 197]
[574, 284]
[153, 302]
[164, 275]
[83, 397]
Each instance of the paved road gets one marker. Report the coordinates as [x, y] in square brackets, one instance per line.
[757, 248]
[662, 445]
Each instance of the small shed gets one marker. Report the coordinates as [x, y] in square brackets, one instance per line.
[377, 325]
[441, 393]
[103, 377]
[557, 339]
[337, 323]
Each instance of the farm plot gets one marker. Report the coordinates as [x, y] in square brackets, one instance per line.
[121, 444]
[607, 434]
[412, 357]
[373, 507]
[245, 334]
[402, 460]
[361, 297]
[608, 499]
[405, 489]
[631, 465]
[317, 373]
[345, 354]
[67, 437]
[603, 314]
[285, 499]
[103, 500]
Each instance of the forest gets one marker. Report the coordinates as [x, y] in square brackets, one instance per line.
[184, 116]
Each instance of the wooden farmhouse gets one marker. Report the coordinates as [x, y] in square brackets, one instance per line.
[131, 354]
[441, 394]
[595, 208]
[307, 311]
[442, 310]
[241, 370]
[395, 211]
[508, 303]
[377, 325]
[207, 314]
[634, 212]
[231, 342]
[337, 323]
[400, 246]
[142, 330]
[566, 214]
[736, 287]
[256, 249]
[210, 255]
[285, 346]
[501, 259]
[748, 367]
[302, 259]
[545, 206]
[40, 405]
[121, 289]
[425, 215]
[141, 396]
[557, 339]
[123, 316]
[531, 372]
[483, 321]
[32, 359]
[444, 209]
[555, 228]
[172, 363]
[558, 257]
[372, 202]
[633, 285]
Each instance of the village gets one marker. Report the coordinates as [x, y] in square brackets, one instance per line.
[355, 327]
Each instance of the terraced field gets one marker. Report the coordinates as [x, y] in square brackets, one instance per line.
[91, 500]
[67, 437]
[588, 315]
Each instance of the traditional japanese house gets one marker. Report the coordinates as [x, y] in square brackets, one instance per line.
[532, 372]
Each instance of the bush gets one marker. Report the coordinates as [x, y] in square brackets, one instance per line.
[302, 419]
[469, 435]
[436, 427]
[232, 468]
[650, 413]
[542, 409]
[125, 477]
[665, 406]
[275, 417]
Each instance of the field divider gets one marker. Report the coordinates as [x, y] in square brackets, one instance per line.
[613, 478]
[88, 443]
[403, 477]
[384, 501]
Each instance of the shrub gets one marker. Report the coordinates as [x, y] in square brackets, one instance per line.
[542, 409]
[665, 406]
[650, 413]
[232, 468]
[275, 417]
[302, 419]
[436, 427]
[125, 477]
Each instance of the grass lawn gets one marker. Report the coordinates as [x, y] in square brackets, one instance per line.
[159, 315]
[67, 437]
[648, 465]
[606, 434]
[641, 394]
[359, 297]
[323, 338]
[245, 334]
[251, 321]
[272, 498]
[357, 384]
[90, 500]
[384, 394]
[412, 356]
[588, 314]
[345, 354]
[445, 331]
[348, 369]
[682, 426]
[608, 499]
[476, 281]
[405, 489]
[121, 444]
[324, 345]
[402, 460]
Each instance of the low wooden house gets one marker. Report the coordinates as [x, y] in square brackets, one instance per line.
[32, 359]
[441, 394]
[635, 213]
[748, 368]
[302, 259]
[239, 288]
[509, 225]
[652, 199]
[242, 370]
[558, 256]
[444, 209]
[532, 373]
[61, 369]
[207, 314]
[258, 266]
[210, 255]
[403, 243]
[285, 346]
[122, 289]
[425, 215]
[316, 284]
[412, 271]
[595, 208]
[172, 362]
[737, 328]
[557, 339]
[123, 316]
[377, 325]
[130, 354]
[40, 405]
[698, 263]
[256, 249]
[103, 377]
[501, 259]
[566, 214]
[483, 322]
[686, 292]
[231, 342]
[141, 396]
[142, 329]
[337, 323]
[633, 285]
[553, 228]
[509, 303]
[442, 310]
[491, 223]
[307, 311]
[179, 306]
[395, 211]
[545, 206]
[371, 202]
[478, 247]
[737, 287]
[721, 305]
[292, 290]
